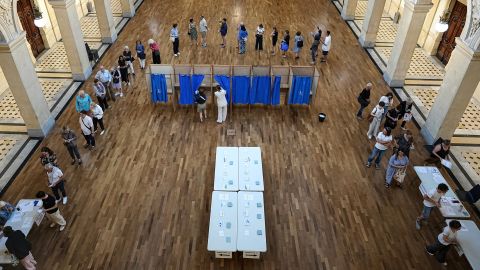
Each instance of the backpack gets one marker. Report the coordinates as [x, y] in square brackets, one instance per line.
[300, 43]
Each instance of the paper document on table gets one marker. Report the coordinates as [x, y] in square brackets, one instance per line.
[438, 178]
[464, 229]
[422, 170]
[448, 210]
[446, 163]
[16, 217]
[39, 218]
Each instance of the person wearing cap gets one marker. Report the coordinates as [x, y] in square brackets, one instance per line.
[105, 78]
[56, 182]
[82, 101]
[127, 55]
[18, 245]
[6, 210]
[155, 51]
[384, 141]
[70, 141]
[50, 207]
[363, 99]
[97, 117]
[443, 242]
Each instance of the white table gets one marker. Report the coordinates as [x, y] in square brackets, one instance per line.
[431, 177]
[469, 242]
[250, 171]
[251, 237]
[226, 169]
[23, 220]
[222, 232]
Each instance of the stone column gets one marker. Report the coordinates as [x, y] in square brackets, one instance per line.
[72, 36]
[26, 89]
[459, 84]
[348, 10]
[128, 8]
[47, 32]
[411, 25]
[103, 9]
[371, 23]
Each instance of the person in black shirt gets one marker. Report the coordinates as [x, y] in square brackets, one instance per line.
[18, 245]
[223, 32]
[122, 65]
[364, 100]
[285, 44]
[274, 35]
[51, 208]
[201, 100]
[391, 118]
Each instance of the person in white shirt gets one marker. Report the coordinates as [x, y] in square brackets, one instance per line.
[259, 38]
[203, 27]
[97, 114]
[222, 104]
[388, 100]
[443, 241]
[56, 182]
[384, 141]
[431, 200]
[375, 119]
[327, 42]
[86, 124]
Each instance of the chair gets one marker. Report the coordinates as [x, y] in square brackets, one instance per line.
[471, 196]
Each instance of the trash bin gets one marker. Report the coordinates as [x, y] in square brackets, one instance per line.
[321, 117]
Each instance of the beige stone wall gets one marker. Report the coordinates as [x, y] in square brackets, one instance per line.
[3, 82]
[476, 95]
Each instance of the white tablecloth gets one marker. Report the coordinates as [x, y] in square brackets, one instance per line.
[250, 171]
[251, 222]
[222, 232]
[226, 169]
[469, 241]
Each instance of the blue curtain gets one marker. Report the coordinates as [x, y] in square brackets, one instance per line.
[300, 91]
[186, 94]
[276, 91]
[224, 82]
[188, 86]
[260, 91]
[159, 88]
[241, 89]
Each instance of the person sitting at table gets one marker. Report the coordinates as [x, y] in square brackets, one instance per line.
[443, 241]
[440, 152]
[18, 245]
[430, 200]
[6, 211]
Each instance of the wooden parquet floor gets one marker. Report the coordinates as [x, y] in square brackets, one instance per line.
[142, 199]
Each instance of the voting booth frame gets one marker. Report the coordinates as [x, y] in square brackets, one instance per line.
[286, 73]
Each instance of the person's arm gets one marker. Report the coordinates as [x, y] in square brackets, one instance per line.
[77, 104]
[51, 208]
[448, 240]
[427, 198]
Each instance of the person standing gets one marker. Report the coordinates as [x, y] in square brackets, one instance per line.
[86, 125]
[70, 141]
[18, 245]
[56, 182]
[116, 81]
[47, 156]
[443, 241]
[364, 100]
[259, 38]
[318, 35]
[274, 36]
[175, 40]
[192, 32]
[384, 141]
[127, 55]
[50, 207]
[391, 118]
[407, 117]
[327, 43]
[397, 162]
[313, 51]
[123, 67]
[223, 32]
[201, 100]
[101, 93]
[242, 39]
[388, 100]
[155, 51]
[82, 101]
[97, 117]
[297, 48]
[106, 79]
[140, 53]
[404, 142]
[203, 27]
[375, 119]
[222, 104]
[431, 199]
[285, 44]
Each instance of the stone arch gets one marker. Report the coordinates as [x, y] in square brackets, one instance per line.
[471, 31]
[10, 26]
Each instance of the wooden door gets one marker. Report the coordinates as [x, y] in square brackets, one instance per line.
[455, 27]
[25, 13]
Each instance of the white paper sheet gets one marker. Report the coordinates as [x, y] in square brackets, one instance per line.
[446, 163]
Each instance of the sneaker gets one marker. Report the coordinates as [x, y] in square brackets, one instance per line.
[62, 228]
[403, 128]
[103, 131]
[53, 225]
[359, 117]
[80, 162]
[387, 185]
[57, 201]
[121, 94]
[64, 200]
[95, 131]
[429, 253]
[128, 83]
[445, 264]
[175, 55]
[92, 147]
[368, 164]
[377, 166]
[73, 162]
[418, 225]
[178, 53]
[312, 63]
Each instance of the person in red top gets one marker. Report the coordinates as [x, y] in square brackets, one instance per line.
[155, 51]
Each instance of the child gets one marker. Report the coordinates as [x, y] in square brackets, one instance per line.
[407, 117]
[444, 240]
[430, 200]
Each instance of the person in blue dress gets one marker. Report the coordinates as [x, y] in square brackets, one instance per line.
[140, 53]
[397, 162]
[242, 39]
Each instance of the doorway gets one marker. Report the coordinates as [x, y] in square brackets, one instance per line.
[26, 15]
[455, 27]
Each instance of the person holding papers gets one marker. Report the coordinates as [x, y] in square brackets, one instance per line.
[442, 244]
[431, 200]
[439, 153]
[50, 207]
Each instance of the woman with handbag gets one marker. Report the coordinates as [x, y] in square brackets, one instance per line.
[396, 168]
[375, 118]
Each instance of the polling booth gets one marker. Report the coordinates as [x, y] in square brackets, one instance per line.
[207, 82]
[262, 90]
[280, 84]
[303, 85]
[241, 81]
[160, 83]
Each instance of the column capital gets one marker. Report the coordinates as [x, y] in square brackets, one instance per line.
[10, 26]
[466, 50]
[11, 45]
[471, 31]
[61, 3]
